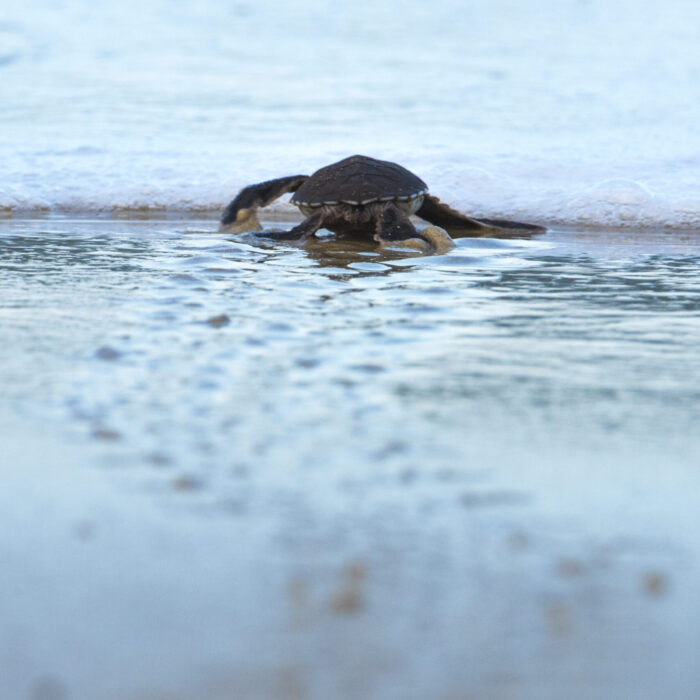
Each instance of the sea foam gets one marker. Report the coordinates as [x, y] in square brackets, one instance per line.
[563, 113]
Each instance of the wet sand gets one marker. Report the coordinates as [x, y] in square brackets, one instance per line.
[235, 469]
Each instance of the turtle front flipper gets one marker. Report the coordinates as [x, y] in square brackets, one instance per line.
[304, 230]
[395, 228]
[240, 212]
[434, 211]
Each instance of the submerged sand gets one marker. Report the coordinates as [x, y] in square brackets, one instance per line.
[240, 470]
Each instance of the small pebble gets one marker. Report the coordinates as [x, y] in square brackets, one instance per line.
[187, 482]
[347, 600]
[219, 321]
[306, 362]
[107, 353]
[369, 367]
[570, 568]
[655, 583]
[107, 434]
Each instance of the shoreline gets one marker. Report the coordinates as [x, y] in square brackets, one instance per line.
[291, 215]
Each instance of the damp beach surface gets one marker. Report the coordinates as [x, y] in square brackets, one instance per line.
[237, 469]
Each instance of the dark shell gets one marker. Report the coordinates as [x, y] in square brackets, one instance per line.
[359, 180]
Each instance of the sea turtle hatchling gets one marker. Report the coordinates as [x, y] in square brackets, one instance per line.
[364, 195]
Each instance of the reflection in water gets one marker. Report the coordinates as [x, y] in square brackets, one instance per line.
[499, 335]
[520, 336]
[438, 415]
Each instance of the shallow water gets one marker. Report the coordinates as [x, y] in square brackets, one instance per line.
[236, 469]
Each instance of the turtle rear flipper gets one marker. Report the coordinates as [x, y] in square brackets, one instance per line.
[393, 227]
[241, 210]
[434, 211]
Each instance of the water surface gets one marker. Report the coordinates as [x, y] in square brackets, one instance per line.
[236, 469]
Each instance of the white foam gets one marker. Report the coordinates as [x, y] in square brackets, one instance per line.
[552, 112]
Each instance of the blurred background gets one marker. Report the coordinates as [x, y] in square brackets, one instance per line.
[568, 112]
